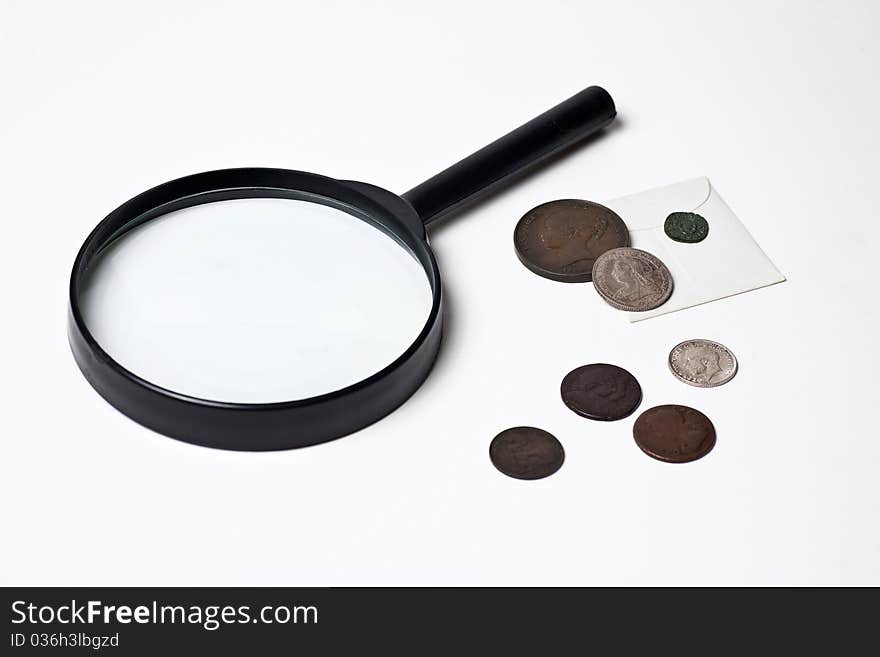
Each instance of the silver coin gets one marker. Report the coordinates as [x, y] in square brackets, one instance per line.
[702, 363]
[631, 279]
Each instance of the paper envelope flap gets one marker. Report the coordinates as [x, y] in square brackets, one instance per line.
[727, 262]
[650, 208]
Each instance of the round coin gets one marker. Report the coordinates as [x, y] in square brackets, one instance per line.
[526, 453]
[632, 279]
[561, 240]
[702, 363]
[673, 433]
[688, 227]
[601, 392]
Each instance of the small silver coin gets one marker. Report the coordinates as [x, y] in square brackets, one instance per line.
[631, 279]
[702, 363]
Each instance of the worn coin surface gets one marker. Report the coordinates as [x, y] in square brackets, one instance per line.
[688, 227]
[601, 392]
[702, 363]
[561, 240]
[673, 433]
[632, 279]
[526, 453]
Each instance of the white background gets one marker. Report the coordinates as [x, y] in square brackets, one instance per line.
[776, 101]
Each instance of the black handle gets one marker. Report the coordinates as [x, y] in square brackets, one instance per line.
[478, 174]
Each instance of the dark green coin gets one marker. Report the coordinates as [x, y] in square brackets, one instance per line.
[688, 227]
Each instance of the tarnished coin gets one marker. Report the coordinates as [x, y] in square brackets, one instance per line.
[526, 453]
[673, 433]
[601, 392]
[561, 240]
[632, 279]
[688, 227]
[702, 363]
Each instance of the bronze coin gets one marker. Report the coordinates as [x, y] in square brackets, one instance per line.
[526, 453]
[687, 227]
[673, 433]
[601, 392]
[561, 240]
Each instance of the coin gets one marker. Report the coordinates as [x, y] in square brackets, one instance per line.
[673, 433]
[702, 363]
[561, 240]
[688, 227]
[526, 453]
[601, 392]
[632, 279]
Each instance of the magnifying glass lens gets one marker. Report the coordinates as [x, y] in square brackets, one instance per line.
[255, 300]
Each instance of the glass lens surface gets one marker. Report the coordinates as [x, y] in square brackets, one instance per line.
[255, 300]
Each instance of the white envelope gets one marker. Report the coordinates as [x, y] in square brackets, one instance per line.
[729, 261]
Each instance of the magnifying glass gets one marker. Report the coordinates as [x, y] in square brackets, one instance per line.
[265, 309]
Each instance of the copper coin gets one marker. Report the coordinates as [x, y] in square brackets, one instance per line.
[561, 240]
[526, 453]
[687, 227]
[675, 434]
[601, 392]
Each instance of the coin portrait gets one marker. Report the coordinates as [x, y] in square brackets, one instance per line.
[632, 280]
[526, 453]
[687, 227]
[601, 392]
[561, 240]
[702, 363]
[674, 433]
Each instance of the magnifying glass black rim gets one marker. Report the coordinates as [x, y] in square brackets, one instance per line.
[259, 426]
